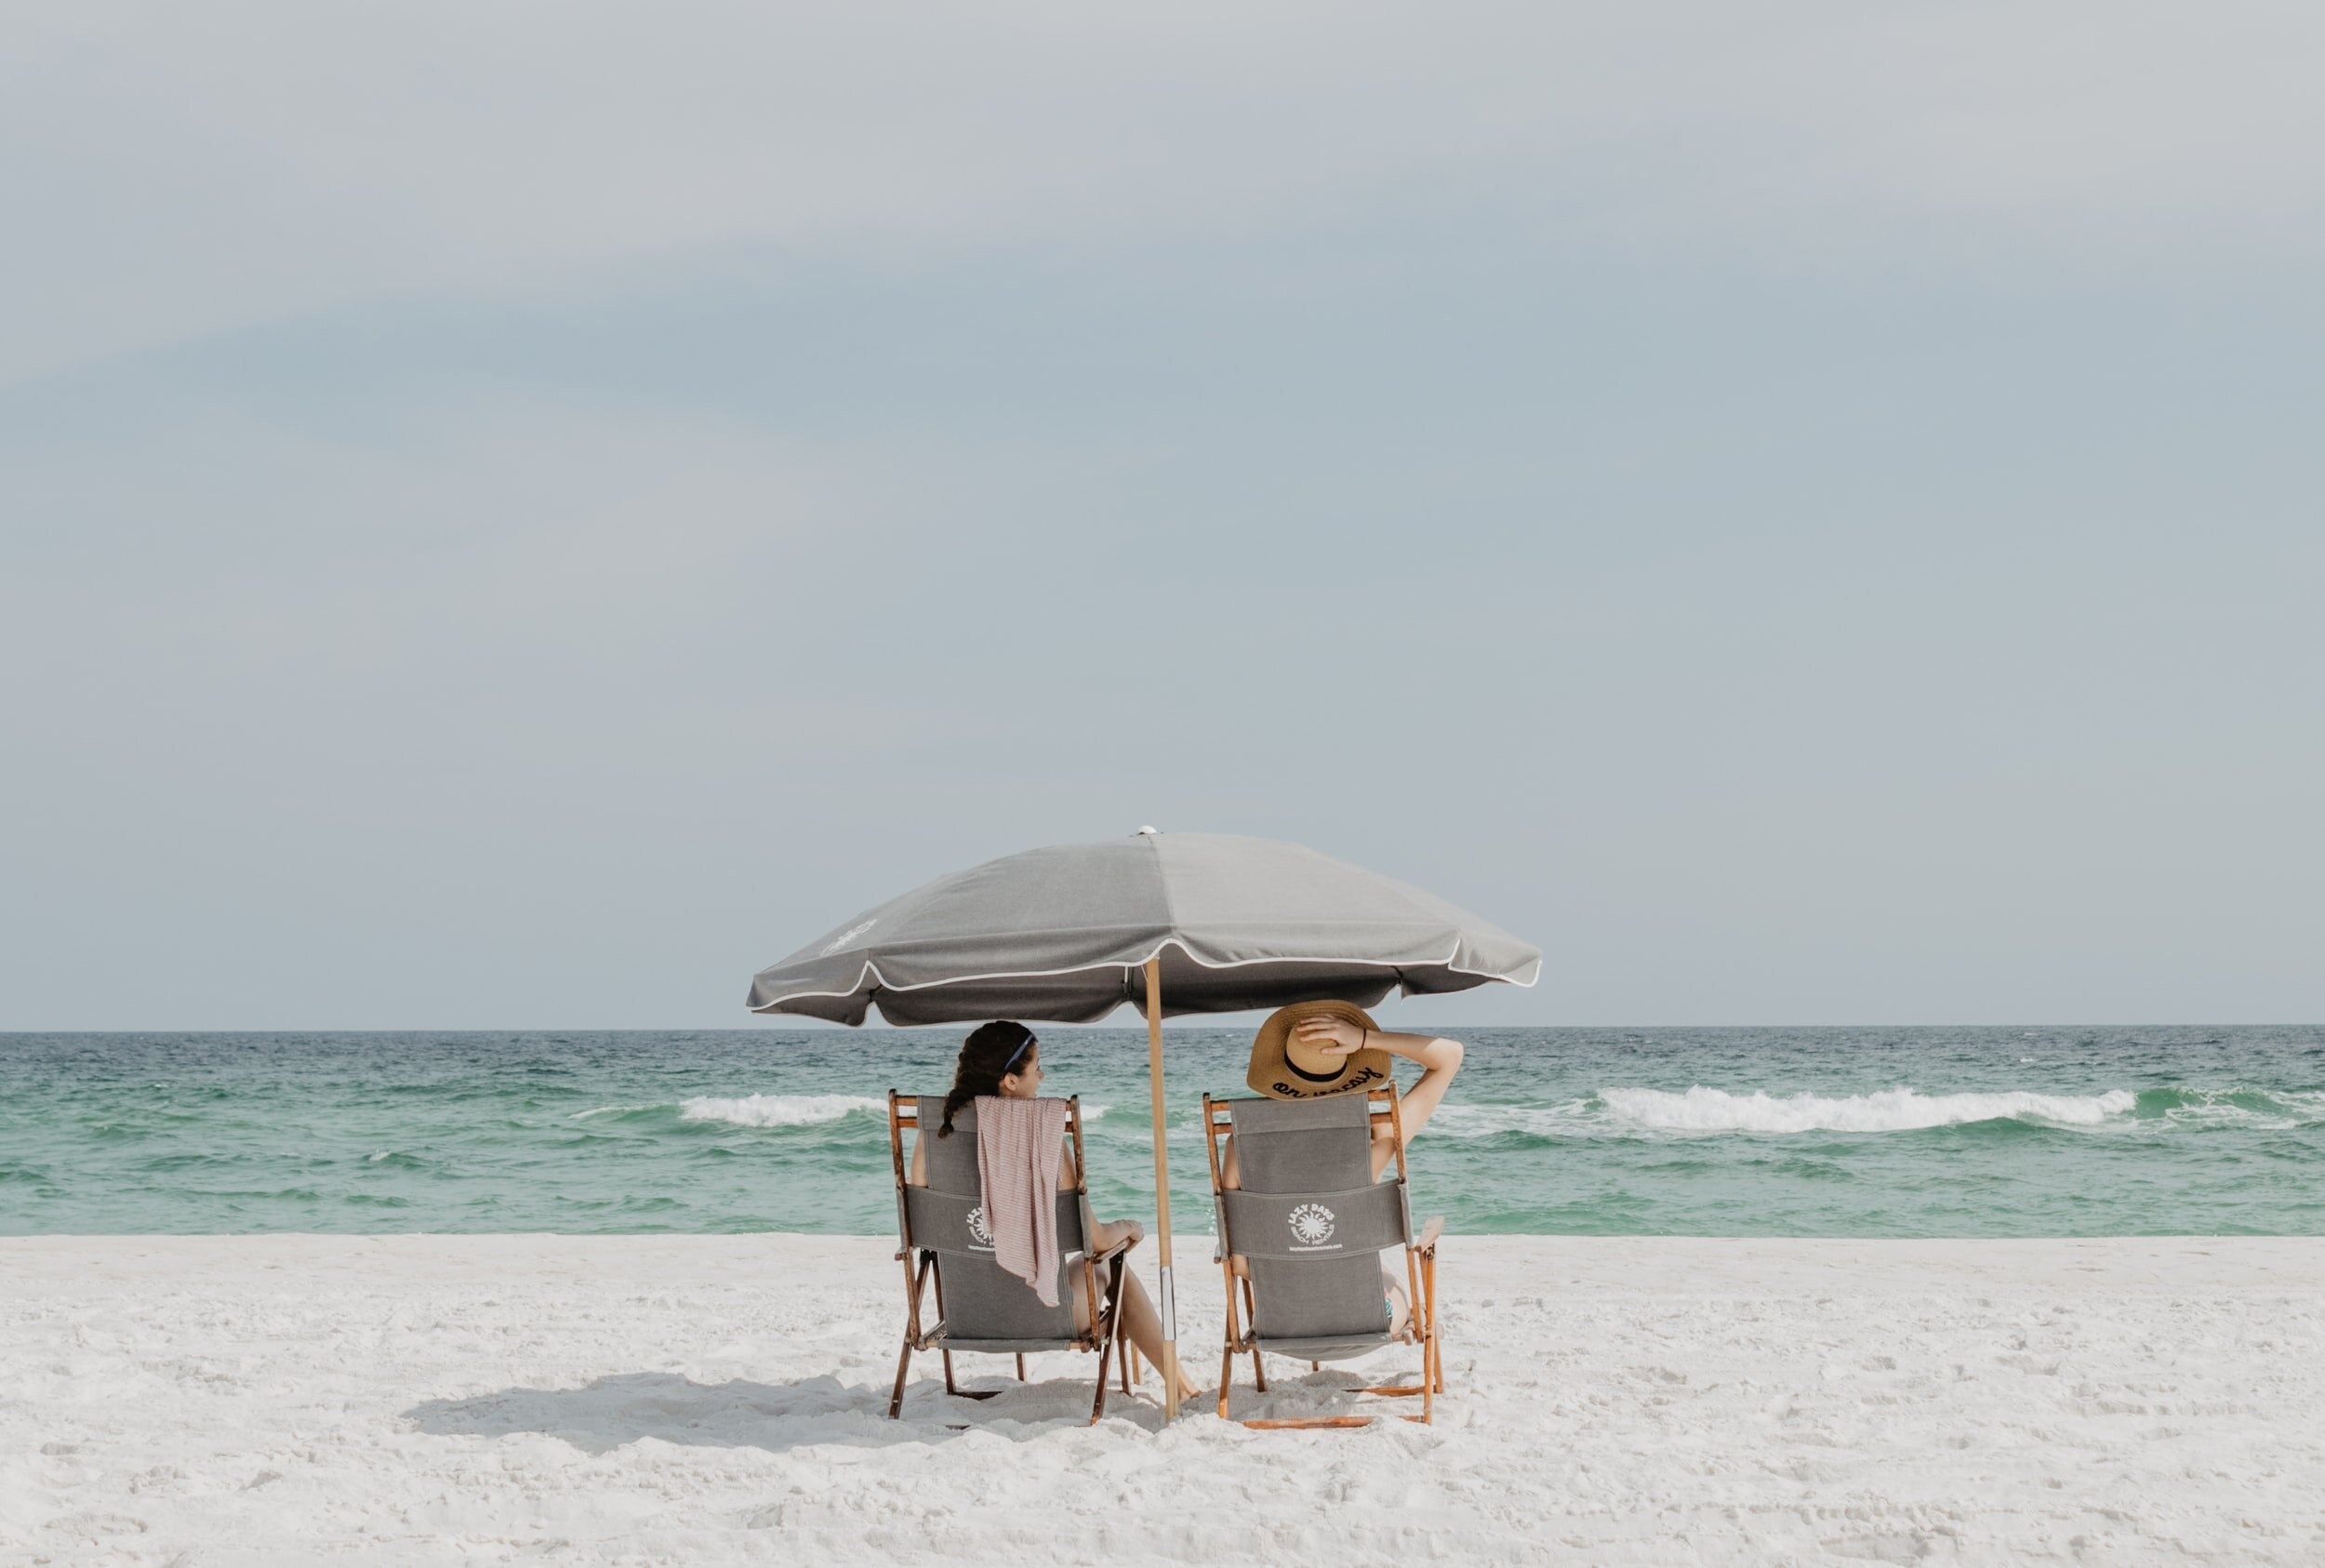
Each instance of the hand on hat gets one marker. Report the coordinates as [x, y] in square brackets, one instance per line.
[1333, 1037]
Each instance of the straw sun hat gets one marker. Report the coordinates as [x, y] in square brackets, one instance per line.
[1283, 1068]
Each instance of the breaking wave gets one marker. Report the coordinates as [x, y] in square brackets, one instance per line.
[777, 1110]
[1716, 1111]
[2256, 1110]
[1634, 1112]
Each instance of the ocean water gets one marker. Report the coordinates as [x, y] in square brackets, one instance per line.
[1811, 1132]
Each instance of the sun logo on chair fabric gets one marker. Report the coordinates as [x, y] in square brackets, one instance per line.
[1312, 1223]
[979, 1229]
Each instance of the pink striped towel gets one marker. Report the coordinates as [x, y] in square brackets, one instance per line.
[1016, 1159]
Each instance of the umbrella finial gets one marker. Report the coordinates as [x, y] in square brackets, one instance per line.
[1147, 832]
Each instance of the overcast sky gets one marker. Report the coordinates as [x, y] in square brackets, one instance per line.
[518, 515]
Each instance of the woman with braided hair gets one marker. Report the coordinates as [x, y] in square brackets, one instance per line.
[1005, 1059]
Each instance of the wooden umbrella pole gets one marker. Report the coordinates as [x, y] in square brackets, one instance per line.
[1164, 1304]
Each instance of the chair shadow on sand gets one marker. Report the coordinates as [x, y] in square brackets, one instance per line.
[619, 1410]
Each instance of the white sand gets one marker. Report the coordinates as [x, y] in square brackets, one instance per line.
[702, 1399]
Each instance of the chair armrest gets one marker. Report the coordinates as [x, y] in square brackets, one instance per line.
[1117, 1250]
[1430, 1232]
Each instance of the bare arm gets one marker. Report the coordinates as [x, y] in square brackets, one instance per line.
[1441, 1059]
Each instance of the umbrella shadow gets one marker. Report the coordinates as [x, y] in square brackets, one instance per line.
[623, 1408]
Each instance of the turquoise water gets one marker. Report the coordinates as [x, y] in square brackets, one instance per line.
[1834, 1132]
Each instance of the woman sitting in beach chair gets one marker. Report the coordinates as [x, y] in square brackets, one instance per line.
[1001, 1062]
[1314, 1049]
[1303, 1273]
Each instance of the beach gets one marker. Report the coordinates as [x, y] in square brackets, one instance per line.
[424, 1399]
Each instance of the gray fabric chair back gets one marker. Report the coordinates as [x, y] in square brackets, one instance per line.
[985, 1306]
[1312, 1223]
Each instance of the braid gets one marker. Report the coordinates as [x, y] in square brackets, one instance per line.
[987, 1057]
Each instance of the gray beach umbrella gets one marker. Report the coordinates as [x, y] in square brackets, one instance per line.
[1065, 934]
[1171, 922]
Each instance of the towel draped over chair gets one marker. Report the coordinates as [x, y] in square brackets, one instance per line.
[1017, 1155]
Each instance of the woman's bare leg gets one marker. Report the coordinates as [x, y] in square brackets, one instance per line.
[1145, 1328]
[1139, 1324]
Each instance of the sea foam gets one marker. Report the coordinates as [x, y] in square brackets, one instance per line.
[777, 1110]
[2258, 1109]
[1716, 1111]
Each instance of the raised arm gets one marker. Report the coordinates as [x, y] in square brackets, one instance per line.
[1440, 1059]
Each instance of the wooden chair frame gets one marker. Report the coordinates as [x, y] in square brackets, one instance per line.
[1420, 1268]
[1105, 1310]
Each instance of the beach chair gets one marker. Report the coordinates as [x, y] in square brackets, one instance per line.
[980, 1306]
[1311, 1224]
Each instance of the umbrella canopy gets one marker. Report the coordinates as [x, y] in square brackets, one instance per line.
[1063, 934]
